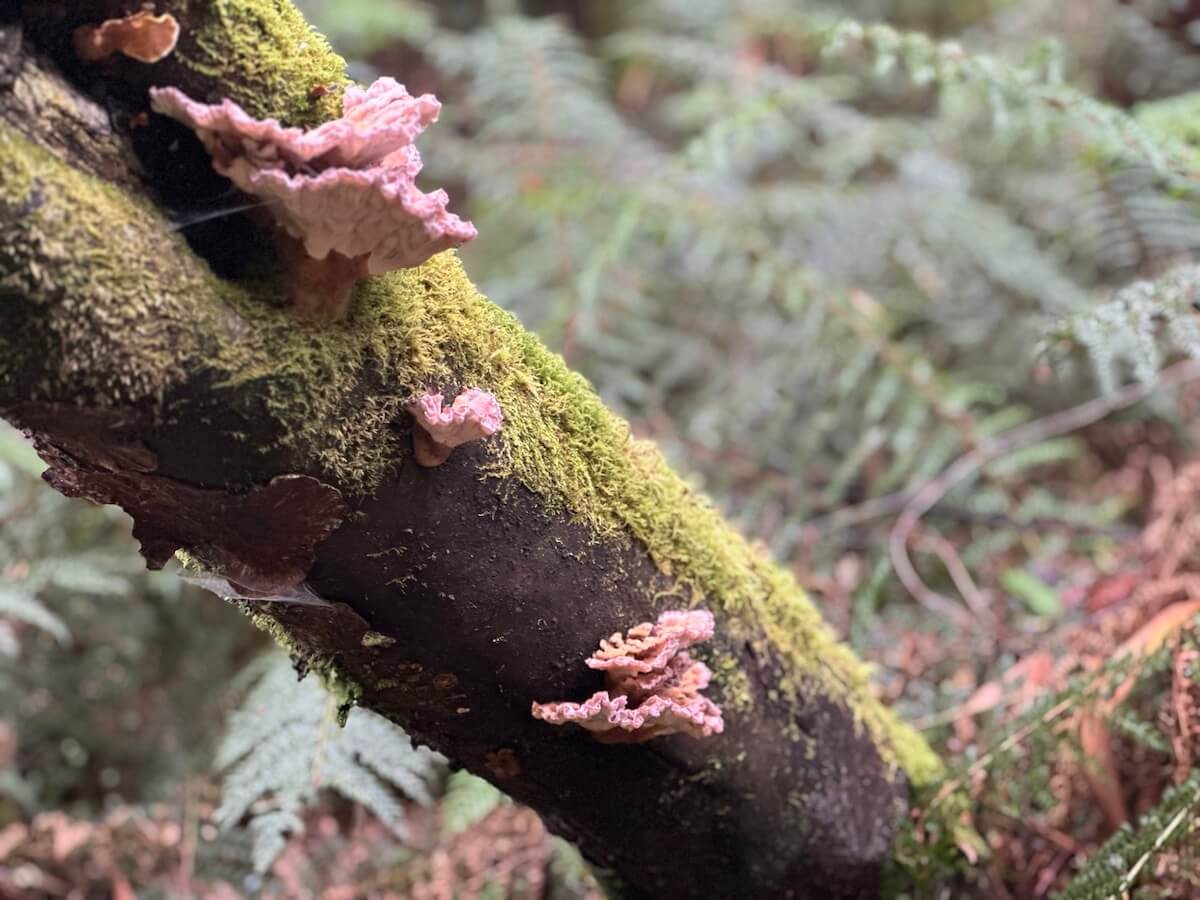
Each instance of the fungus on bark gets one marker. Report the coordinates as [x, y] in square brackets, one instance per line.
[474, 414]
[343, 194]
[142, 36]
[653, 686]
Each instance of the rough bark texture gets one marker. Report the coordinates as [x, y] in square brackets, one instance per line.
[165, 377]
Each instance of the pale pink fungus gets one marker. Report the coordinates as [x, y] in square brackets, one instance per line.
[343, 192]
[652, 684]
[474, 414]
[142, 36]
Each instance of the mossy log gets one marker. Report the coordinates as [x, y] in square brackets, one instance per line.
[163, 374]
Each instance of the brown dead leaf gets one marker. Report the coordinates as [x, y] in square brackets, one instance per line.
[1111, 589]
[1094, 735]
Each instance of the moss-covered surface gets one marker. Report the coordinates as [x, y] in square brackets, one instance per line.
[267, 54]
[129, 329]
[429, 327]
[129, 311]
[118, 272]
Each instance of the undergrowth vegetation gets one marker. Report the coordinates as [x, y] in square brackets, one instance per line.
[819, 252]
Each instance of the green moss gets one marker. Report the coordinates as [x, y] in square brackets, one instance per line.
[121, 295]
[344, 690]
[270, 626]
[731, 678]
[267, 55]
[933, 846]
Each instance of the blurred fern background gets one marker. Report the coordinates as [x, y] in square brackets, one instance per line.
[818, 251]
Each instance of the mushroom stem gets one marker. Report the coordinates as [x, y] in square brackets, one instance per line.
[438, 429]
[319, 287]
[426, 451]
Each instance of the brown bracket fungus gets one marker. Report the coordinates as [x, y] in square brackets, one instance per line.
[653, 686]
[474, 414]
[142, 36]
[261, 542]
[343, 195]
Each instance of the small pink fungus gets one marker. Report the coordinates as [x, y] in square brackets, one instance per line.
[474, 414]
[653, 686]
[142, 36]
[343, 194]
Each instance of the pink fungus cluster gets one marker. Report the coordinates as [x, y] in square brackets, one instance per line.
[653, 686]
[343, 194]
[474, 414]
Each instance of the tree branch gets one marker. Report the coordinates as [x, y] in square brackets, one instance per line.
[264, 444]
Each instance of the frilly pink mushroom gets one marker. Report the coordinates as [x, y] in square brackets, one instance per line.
[343, 194]
[142, 36]
[653, 684]
[474, 414]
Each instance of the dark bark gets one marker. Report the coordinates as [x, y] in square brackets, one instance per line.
[491, 594]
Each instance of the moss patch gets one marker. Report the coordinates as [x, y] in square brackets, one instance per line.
[121, 296]
[267, 56]
[345, 691]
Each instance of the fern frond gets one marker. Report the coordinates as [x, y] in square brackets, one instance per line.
[1115, 868]
[283, 747]
[1175, 120]
[467, 800]
[269, 836]
[80, 574]
[24, 607]
[532, 77]
[887, 52]
[1136, 330]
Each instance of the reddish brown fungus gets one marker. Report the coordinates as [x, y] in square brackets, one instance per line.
[142, 36]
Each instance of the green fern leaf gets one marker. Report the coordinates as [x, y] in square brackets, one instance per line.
[467, 800]
[24, 607]
[283, 746]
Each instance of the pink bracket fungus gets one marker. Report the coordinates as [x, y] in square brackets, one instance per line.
[142, 36]
[343, 194]
[474, 414]
[653, 686]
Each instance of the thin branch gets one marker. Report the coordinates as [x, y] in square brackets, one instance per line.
[1043, 429]
[945, 551]
[890, 504]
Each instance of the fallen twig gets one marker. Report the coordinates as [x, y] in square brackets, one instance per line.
[1054, 425]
